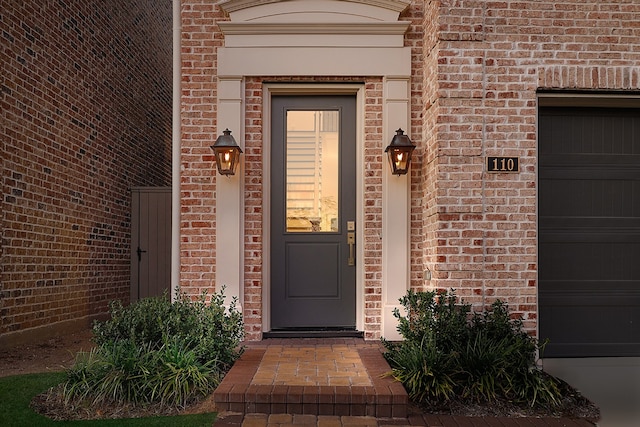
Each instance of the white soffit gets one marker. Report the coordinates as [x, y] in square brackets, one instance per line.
[329, 23]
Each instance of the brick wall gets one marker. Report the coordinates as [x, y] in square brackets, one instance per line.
[253, 209]
[86, 114]
[427, 236]
[200, 37]
[492, 57]
[477, 66]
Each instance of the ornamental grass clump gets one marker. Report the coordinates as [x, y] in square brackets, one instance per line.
[450, 353]
[158, 352]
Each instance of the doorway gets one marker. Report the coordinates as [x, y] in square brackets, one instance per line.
[313, 213]
[150, 242]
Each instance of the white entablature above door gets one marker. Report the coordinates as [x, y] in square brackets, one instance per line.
[314, 23]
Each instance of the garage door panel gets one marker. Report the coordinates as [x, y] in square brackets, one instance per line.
[564, 162]
[577, 324]
[589, 231]
[594, 293]
[573, 232]
[590, 198]
[582, 230]
[596, 329]
[606, 262]
[592, 350]
[589, 130]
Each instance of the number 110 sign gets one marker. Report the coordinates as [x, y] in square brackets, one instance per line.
[503, 164]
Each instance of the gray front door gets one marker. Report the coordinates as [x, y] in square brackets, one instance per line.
[313, 201]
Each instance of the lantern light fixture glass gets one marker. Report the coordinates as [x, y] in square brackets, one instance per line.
[399, 152]
[227, 153]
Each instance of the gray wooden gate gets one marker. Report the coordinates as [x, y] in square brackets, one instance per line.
[150, 241]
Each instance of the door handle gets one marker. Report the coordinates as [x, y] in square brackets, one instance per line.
[139, 251]
[351, 241]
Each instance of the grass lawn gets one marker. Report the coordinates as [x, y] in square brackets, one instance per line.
[16, 393]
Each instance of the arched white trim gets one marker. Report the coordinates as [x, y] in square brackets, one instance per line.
[256, 9]
[314, 23]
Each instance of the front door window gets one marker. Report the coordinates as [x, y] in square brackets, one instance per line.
[312, 171]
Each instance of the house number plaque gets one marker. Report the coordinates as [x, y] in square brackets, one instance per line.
[503, 164]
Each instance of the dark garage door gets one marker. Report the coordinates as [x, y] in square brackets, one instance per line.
[589, 222]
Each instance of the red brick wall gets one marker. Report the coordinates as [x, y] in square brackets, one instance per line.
[86, 114]
[426, 236]
[374, 161]
[253, 209]
[200, 37]
[492, 57]
[477, 66]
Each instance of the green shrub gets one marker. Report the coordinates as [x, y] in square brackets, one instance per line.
[203, 325]
[437, 316]
[425, 370]
[449, 352]
[156, 351]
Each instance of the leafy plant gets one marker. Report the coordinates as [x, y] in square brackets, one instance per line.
[156, 351]
[18, 409]
[424, 370]
[437, 315]
[205, 325]
[450, 352]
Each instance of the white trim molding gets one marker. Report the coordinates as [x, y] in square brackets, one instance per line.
[314, 23]
[396, 200]
[314, 38]
[176, 147]
[316, 61]
[257, 9]
[230, 195]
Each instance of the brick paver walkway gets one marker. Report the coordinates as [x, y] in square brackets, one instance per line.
[331, 365]
[289, 420]
[330, 383]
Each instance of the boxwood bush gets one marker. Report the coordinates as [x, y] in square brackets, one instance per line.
[450, 353]
[156, 351]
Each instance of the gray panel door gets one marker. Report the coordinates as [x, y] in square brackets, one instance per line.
[313, 202]
[589, 221]
[150, 242]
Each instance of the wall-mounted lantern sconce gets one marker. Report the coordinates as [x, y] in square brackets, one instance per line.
[227, 153]
[399, 152]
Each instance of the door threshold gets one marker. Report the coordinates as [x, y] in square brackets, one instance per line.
[346, 333]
